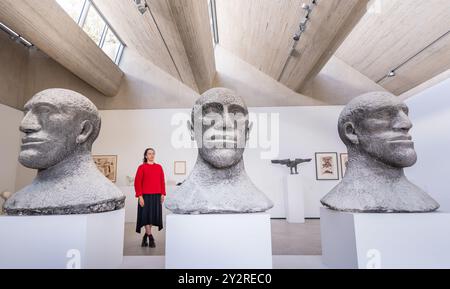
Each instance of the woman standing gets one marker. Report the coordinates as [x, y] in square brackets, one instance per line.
[150, 189]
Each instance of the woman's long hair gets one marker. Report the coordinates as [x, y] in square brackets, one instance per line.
[145, 154]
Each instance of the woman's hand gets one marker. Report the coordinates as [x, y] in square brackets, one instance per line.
[141, 201]
[163, 197]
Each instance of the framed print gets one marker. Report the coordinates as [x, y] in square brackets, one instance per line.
[344, 163]
[107, 166]
[179, 167]
[327, 166]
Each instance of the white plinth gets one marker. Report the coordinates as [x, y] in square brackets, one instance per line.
[295, 199]
[351, 240]
[72, 241]
[219, 241]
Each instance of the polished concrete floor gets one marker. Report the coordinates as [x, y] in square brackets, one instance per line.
[287, 239]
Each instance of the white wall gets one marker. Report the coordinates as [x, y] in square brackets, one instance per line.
[430, 114]
[303, 131]
[10, 119]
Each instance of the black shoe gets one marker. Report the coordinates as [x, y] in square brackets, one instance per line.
[151, 241]
[144, 241]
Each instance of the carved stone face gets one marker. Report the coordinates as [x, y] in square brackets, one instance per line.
[220, 127]
[379, 126]
[56, 124]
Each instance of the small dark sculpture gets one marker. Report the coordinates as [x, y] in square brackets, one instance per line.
[291, 164]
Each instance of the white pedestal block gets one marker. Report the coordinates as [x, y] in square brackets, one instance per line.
[357, 240]
[59, 242]
[295, 199]
[218, 241]
[131, 203]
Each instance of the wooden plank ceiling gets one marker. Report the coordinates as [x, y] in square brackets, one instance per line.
[48, 27]
[180, 45]
[261, 33]
[394, 32]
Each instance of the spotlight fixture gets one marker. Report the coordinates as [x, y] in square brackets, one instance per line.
[302, 25]
[391, 73]
[306, 7]
[141, 5]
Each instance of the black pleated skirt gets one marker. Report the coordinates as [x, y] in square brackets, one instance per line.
[151, 213]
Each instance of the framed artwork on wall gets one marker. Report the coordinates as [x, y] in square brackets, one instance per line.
[179, 168]
[327, 166]
[107, 166]
[344, 163]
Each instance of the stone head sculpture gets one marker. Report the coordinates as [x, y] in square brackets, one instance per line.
[220, 126]
[59, 128]
[375, 128]
[218, 182]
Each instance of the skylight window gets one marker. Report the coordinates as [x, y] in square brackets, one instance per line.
[86, 15]
[213, 20]
[72, 7]
[94, 25]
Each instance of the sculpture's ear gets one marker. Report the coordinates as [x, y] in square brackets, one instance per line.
[86, 130]
[190, 127]
[249, 129]
[350, 133]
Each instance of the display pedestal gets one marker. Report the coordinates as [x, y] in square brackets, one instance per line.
[358, 240]
[295, 199]
[218, 241]
[60, 242]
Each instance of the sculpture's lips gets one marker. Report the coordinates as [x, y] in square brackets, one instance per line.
[401, 139]
[222, 139]
[31, 141]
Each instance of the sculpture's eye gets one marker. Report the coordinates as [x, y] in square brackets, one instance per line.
[237, 109]
[43, 109]
[405, 110]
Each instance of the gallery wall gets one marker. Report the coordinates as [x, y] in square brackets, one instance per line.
[9, 146]
[430, 114]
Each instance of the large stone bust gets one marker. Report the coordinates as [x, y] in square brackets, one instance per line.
[375, 128]
[218, 182]
[59, 129]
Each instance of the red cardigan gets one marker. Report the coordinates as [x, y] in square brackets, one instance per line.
[149, 180]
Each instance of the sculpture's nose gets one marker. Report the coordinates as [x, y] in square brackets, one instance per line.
[29, 123]
[229, 120]
[403, 122]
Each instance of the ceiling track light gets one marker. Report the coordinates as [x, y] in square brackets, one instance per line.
[141, 5]
[301, 29]
[391, 73]
[303, 24]
[15, 37]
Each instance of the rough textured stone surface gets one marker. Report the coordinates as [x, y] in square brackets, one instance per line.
[218, 182]
[59, 129]
[3, 197]
[375, 127]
